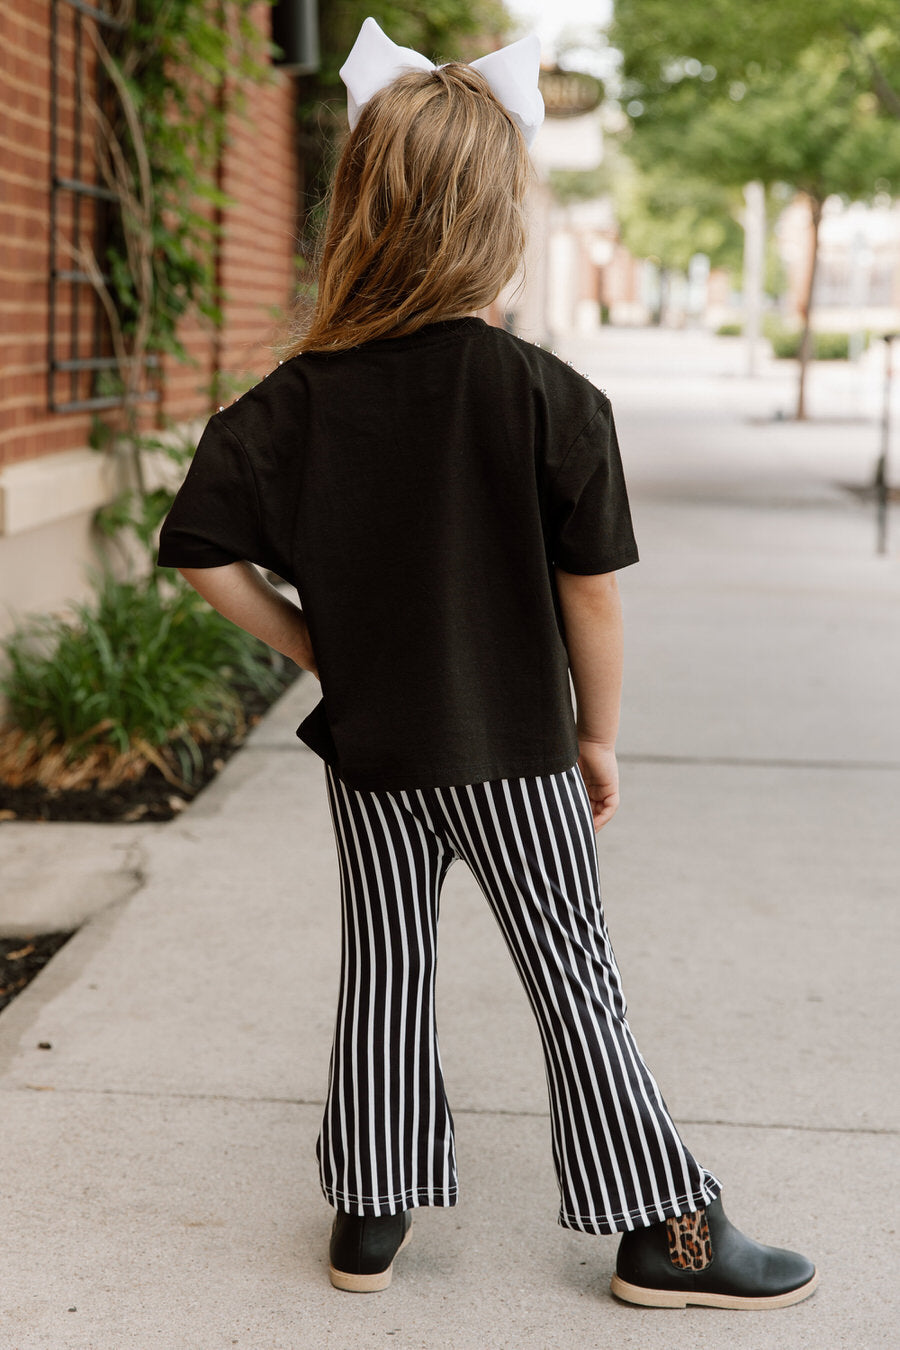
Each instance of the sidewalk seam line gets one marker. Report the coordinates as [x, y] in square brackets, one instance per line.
[458, 1111]
[637, 757]
[737, 761]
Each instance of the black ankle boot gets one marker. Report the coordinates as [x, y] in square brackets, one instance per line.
[703, 1258]
[363, 1248]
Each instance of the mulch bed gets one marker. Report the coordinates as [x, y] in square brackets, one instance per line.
[21, 958]
[148, 798]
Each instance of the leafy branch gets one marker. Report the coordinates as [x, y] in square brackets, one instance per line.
[175, 73]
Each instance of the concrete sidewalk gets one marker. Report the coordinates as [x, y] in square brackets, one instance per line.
[158, 1160]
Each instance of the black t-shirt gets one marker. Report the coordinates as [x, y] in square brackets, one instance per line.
[418, 492]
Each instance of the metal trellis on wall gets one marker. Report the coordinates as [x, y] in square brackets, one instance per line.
[78, 337]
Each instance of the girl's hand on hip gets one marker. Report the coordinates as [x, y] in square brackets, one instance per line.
[240, 593]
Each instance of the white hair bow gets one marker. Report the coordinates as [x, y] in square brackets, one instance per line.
[512, 73]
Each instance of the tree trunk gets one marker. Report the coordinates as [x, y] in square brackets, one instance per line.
[806, 341]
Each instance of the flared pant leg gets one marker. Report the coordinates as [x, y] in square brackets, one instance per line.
[619, 1160]
[386, 1142]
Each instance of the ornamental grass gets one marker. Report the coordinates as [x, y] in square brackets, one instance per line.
[143, 673]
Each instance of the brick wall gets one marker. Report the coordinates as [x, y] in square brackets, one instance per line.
[261, 175]
[259, 241]
[27, 428]
[259, 172]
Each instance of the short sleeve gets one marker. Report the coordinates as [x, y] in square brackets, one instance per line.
[215, 517]
[590, 520]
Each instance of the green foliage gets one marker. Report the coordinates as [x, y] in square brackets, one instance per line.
[699, 102]
[139, 511]
[730, 330]
[825, 346]
[670, 216]
[174, 75]
[580, 185]
[134, 664]
[147, 663]
[180, 66]
[785, 341]
[806, 95]
[741, 42]
[831, 346]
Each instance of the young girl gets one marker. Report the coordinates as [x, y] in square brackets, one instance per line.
[449, 502]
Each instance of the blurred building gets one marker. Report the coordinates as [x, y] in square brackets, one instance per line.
[578, 274]
[857, 285]
[575, 270]
[559, 287]
[54, 343]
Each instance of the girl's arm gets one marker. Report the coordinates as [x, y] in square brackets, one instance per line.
[592, 616]
[239, 593]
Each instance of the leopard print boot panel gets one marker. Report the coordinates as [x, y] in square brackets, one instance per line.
[689, 1243]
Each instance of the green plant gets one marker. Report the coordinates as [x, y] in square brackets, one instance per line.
[145, 671]
[804, 97]
[831, 346]
[730, 330]
[139, 511]
[178, 70]
[580, 185]
[174, 74]
[137, 667]
[825, 346]
[785, 342]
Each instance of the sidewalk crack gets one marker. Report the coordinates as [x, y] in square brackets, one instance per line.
[319, 1103]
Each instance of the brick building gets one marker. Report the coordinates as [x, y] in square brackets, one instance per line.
[51, 482]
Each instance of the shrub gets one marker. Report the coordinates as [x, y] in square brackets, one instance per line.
[785, 343]
[141, 673]
[825, 346]
[730, 330]
[831, 346]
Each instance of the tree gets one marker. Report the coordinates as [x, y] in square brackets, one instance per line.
[671, 217]
[741, 41]
[812, 122]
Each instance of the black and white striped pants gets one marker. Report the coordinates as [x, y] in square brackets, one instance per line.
[387, 1136]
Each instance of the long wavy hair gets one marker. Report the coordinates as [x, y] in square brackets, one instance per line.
[426, 217]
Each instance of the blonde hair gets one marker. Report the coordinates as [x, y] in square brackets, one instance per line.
[426, 218]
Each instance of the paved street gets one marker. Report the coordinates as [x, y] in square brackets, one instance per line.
[160, 1186]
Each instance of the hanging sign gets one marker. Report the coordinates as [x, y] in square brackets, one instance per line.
[569, 93]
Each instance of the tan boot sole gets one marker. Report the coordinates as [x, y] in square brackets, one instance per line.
[366, 1284]
[671, 1298]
